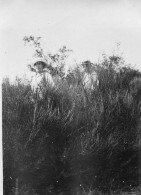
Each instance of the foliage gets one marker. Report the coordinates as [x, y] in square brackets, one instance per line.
[55, 62]
[83, 138]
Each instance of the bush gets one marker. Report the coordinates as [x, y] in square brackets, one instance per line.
[80, 138]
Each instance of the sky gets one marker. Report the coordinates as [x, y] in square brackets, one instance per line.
[88, 27]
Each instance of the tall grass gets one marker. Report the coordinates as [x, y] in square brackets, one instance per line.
[81, 138]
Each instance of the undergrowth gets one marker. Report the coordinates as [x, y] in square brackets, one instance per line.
[82, 137]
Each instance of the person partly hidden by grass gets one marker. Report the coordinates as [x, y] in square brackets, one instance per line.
[38, 83]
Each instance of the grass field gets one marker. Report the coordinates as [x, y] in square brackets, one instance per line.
[75, 139]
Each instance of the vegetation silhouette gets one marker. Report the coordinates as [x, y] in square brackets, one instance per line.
[84, 139]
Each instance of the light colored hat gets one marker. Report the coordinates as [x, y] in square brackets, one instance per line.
[40, 61]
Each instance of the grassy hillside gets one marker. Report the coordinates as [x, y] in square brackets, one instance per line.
[79, 140]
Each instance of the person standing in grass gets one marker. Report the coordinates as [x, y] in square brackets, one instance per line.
[39, 81]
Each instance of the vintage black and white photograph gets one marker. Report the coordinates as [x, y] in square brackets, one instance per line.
[71, 97]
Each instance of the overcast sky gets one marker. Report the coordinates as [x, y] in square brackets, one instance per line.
[88, 27]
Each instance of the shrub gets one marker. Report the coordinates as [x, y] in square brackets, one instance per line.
[81, 138]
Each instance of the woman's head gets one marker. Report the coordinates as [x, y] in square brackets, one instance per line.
[39, 66]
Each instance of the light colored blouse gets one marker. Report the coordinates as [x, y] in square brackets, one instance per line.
[41, 80]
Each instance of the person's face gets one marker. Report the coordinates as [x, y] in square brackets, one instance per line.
[39, 68]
